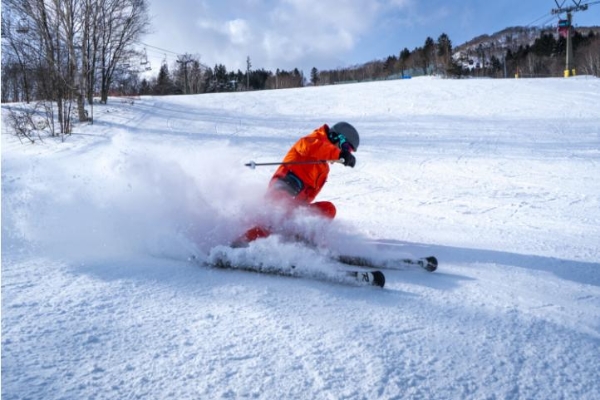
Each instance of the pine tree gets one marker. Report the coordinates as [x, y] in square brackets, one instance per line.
[428, 54]
[314, 76]
[444, 52]
[404, 56]
[164, 83]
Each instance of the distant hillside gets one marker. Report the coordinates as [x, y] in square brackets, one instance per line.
[511, 39]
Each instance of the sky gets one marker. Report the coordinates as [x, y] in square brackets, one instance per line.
[288, 34]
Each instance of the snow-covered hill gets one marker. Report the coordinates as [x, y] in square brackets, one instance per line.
[498, 178]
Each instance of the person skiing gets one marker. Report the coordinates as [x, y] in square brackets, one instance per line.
[304, 171]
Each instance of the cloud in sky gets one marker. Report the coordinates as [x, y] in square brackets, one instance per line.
[283, 34]
[302, 34]
[275, 34]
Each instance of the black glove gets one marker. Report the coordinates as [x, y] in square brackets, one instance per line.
[349, 160]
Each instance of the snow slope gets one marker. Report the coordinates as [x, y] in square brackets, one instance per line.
[498, 178]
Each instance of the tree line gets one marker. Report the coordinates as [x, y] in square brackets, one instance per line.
[192, 77]
[195, 78]
[545, 57]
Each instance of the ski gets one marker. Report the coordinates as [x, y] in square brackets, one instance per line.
[429, 264]
[344, 273]
[375, 278]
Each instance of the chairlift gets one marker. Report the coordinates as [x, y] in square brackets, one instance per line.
[22, 26]
[4, 28]
[563, 27]
[145, 59]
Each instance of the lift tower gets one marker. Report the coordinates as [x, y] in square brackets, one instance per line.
[568, 24]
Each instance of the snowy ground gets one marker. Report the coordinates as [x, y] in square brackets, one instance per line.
[498, 178]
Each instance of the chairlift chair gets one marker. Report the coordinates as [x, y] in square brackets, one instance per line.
[22, 26]
[4, 28]
[563, 27]
[145, 61]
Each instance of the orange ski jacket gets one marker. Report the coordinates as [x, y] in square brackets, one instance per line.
[313, 147]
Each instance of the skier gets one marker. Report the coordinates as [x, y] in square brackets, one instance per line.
[297, 185]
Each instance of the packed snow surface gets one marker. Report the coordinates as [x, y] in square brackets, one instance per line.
[500, 179]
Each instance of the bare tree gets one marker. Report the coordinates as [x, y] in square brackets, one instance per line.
[197, 76]
[121, 23]
[588, 58]
[16, 70]
[47, 38]
[64, 44]
[182, 72]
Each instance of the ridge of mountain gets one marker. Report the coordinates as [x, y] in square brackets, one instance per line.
[513, 37]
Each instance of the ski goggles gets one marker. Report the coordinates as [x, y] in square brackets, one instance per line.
[343, 141]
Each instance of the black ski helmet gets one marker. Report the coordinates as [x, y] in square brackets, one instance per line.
[349, 132]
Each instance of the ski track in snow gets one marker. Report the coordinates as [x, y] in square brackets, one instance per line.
[497, 178]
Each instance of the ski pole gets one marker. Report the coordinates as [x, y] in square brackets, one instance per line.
[253, 164]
